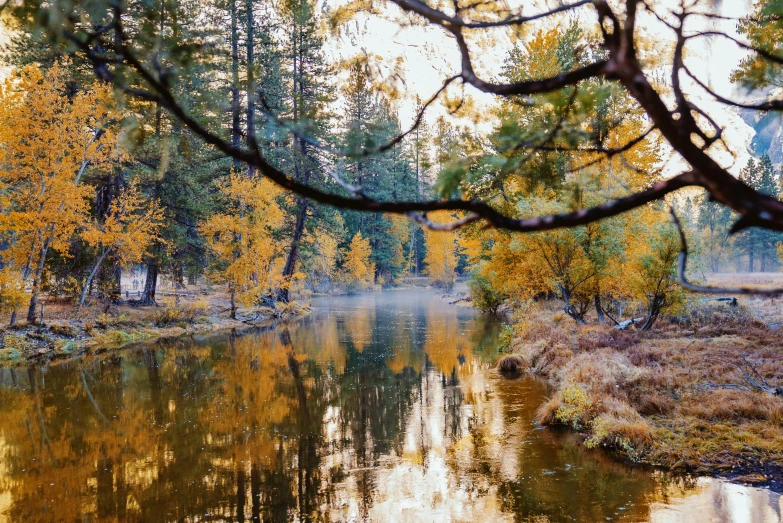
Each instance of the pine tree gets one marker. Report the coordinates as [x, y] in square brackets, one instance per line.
[309, 92]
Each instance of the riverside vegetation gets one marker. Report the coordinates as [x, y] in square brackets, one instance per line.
[696, 394]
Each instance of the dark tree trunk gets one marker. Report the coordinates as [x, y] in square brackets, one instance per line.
[251, 85]
[284, 294]
[654, 310]
[151, 282]
[236, 131]
[599, 310]
[568, 308]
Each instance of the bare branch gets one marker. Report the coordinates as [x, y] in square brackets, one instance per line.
[766, 54]
[770, 105]
[441, 18]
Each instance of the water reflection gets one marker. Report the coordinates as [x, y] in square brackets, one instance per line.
[379, 407]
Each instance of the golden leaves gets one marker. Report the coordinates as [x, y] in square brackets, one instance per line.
[442, 248]
[241, 239]
[131, 225]
[47, 142]
[359, 269]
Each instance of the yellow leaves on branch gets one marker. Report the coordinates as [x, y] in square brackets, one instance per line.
[12, 293]
[131, 226]
[241, 239]
[324, 264]
[442, 250]
[359, 269]
[47, 142]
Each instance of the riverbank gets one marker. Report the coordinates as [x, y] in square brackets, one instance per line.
[698, 393]
[67, 332]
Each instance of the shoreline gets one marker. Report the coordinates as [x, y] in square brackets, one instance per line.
[672, 398]
[63, 340]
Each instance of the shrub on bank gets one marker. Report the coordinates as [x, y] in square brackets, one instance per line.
[673, 397]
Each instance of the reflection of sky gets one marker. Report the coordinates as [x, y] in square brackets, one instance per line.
[718, 501]
[449, 442]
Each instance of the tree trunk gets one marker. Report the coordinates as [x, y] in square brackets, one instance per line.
[653, 311]
[232, 300]
[236, 132]
[151, 282]
[37, 282]
[569, 308]
[599, 310]
[89, 279]
[284, 294]
[251, 86]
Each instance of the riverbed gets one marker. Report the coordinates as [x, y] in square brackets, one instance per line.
[377, 407]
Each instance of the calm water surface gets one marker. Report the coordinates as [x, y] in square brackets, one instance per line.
[380, 407]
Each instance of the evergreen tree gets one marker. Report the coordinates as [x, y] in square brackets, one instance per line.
[767, 239]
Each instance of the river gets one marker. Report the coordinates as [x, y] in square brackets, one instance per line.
[378, 407]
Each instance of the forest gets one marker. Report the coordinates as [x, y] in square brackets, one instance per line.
[97, 186]
[178, 167]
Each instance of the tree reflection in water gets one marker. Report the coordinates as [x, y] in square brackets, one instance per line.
[378, 407]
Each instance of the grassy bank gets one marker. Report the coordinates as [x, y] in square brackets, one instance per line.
[680, 396]
[67, 332]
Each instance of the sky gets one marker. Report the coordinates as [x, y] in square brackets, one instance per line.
[428, 56]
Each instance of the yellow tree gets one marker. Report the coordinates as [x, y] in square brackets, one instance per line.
[131, 226]
[651, 269]
[47, 142]
[441, 252]
[11, 291]
[326, 260]
[241, 239]
[359, 271]
[401, 231]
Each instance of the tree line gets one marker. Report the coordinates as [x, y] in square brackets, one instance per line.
[94, 185]
[252, 159]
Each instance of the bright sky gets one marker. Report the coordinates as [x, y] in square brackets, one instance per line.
[428, 56]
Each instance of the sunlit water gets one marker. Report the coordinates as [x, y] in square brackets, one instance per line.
[380, 407]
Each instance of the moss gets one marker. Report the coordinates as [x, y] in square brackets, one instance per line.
[65, 346]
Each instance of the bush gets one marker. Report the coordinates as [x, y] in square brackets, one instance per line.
[62, 329]
[485, 297]
[187, 313]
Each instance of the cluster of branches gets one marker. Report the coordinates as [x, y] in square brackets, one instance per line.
[109, 49]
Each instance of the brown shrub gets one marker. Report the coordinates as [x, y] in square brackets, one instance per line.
[511, 364]
[538, 331]
[621, 426]
[603, 371]
[653, 403]
[552, 358]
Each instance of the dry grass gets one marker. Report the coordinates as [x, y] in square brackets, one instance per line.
[668, 396]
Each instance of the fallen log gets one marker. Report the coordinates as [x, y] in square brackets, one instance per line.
[627, 323]
[730, 300]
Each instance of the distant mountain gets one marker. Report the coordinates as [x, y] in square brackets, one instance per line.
[768, 127]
